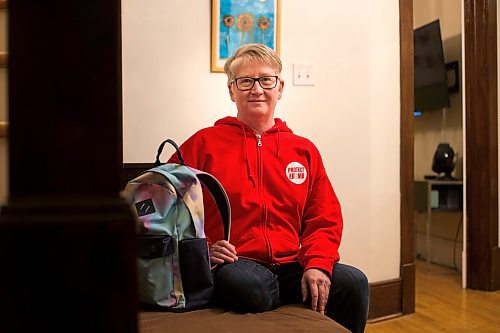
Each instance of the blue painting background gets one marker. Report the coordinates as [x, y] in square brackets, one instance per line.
[230, 38]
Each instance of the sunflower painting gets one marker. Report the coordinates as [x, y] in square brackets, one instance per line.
[239, 22]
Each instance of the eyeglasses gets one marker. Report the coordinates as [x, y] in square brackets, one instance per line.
[247, 83]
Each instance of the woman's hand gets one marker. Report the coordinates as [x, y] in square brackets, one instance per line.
[222, 251]
[318, 283]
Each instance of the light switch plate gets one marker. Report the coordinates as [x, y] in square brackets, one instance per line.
[303, 75]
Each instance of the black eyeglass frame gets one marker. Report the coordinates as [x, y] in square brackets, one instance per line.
[255, 79]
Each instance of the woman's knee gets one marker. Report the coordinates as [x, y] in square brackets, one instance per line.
[349, 275]
[246, 286]
[350, 280]
[349, 295]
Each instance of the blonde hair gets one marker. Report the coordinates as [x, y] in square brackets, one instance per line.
[252, 52]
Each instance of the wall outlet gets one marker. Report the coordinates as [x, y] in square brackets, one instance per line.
[303, 75]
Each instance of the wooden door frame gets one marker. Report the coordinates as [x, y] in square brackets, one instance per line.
[407, 268]
[480, 128]
[481, 133]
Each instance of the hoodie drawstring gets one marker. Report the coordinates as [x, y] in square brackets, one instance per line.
[278, 144]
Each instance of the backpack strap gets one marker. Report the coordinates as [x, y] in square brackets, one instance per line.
[219, 194]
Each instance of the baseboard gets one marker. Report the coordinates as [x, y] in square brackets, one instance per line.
[393, 298]
[379, 319]
[385, 300]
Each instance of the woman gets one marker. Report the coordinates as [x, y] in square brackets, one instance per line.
[286, 218]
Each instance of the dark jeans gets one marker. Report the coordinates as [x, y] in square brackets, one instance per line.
[246, 286]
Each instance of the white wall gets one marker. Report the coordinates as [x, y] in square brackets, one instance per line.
[351, 114]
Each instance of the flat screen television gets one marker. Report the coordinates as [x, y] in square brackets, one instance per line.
[430, 78]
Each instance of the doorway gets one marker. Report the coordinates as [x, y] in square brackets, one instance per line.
[438, 131]
[480, 105]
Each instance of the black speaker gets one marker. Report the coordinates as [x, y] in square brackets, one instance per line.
[444, 161]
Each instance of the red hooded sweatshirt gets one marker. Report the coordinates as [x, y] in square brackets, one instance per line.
[283, 206]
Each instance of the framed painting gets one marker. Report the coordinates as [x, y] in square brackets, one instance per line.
[239, 22]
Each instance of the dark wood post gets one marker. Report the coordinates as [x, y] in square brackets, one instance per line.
[406, 158]
[67, 246]
[481, 115]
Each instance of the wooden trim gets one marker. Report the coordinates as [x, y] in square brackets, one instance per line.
[407, 270]
[4, 129]
[408, 288]
[393, 298]
[385, 300]
[4, 58]
[3, 4]
[481, 108]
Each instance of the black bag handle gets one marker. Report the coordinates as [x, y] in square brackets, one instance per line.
[160, 149]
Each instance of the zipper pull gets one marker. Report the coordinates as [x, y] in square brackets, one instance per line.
[259, 140]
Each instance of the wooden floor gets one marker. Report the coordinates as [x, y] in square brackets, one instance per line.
[443, 306]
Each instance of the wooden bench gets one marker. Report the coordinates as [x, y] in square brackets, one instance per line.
[288, 318]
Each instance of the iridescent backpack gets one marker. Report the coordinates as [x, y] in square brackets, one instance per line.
[174, 270]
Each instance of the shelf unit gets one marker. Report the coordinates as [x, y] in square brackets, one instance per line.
[433, 195]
